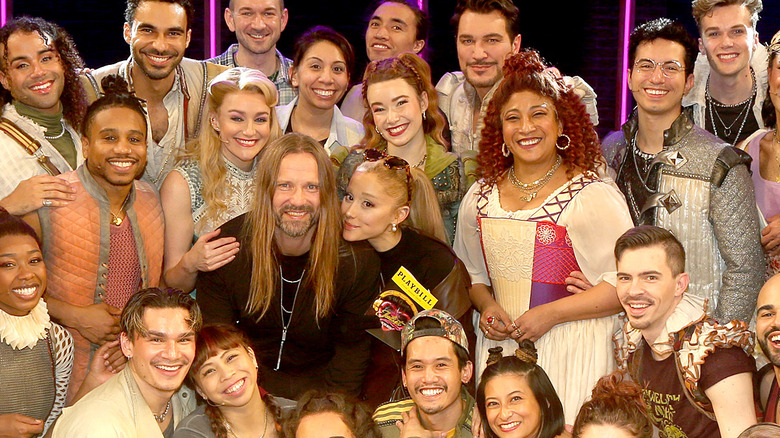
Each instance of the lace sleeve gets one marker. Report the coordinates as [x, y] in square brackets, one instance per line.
[62, 343]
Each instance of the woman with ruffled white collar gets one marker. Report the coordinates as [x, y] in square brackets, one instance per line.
[36, 355]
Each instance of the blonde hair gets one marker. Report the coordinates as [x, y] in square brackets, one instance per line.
[259, 228]
[420, 196]
[700, 8]
[416, 72]
[208, 150]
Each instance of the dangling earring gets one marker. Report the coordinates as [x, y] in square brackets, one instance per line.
[424, 115]
[504, 150]
[568, 142]
[376, 129]
[393, 228]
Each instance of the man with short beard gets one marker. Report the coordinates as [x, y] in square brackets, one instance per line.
[258, 24]
[436, 369]
[486, 32]
[174, 87]
[146, 399]
[296, 288]
[768, 336]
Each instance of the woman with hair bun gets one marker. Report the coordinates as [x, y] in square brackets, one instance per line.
[215, 182]
[515, 397]
[616, 409]
[394, 207]
[539, 212]
[403, 119]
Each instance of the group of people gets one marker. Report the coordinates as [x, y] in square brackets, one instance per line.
[217, 249]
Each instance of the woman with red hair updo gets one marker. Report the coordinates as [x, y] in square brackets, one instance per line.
[539, 212]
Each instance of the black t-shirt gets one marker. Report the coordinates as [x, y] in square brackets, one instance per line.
[329, 353]
[426, 258]
[668, 407]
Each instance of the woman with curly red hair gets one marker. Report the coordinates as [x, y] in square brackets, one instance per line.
[539, 212]
[616, 409]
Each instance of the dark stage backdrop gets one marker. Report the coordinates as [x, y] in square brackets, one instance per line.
[580, 38]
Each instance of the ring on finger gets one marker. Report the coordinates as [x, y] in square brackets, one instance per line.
[491, 320]
[519, 333]
[47, 203]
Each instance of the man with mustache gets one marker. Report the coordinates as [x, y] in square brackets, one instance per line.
[486, 32]
[668, 333]
[258, 24]
[147, 398]
[43, 103]
[158, 32]
[768, 336]
[436, 369]
[296, 288]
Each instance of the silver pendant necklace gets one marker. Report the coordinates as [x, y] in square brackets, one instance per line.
[283, 311]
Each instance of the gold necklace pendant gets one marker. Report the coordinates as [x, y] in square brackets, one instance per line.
[116, 220]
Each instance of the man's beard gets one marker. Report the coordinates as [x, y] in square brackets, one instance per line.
[296, 228]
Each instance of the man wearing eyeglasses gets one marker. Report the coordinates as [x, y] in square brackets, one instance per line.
[678, 176]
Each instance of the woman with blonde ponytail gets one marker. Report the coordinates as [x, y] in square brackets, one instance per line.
[403, 118]
[394, 207]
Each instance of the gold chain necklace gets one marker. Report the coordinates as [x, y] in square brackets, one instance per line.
[531, 189]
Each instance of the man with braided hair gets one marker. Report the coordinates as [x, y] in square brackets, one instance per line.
[42, 107]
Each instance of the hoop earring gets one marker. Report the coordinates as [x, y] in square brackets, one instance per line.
[504, 150]
[568, 142]
[376, 129]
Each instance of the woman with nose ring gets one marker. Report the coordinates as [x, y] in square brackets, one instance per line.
[224, 373]
[322, 64]
[394, 208]
[215, 181]
[403, 118]
[538, 213]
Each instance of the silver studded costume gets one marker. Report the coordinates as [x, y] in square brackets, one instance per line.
[698, 188]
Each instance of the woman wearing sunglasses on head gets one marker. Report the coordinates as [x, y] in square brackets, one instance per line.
[403, 118]
[394, 207]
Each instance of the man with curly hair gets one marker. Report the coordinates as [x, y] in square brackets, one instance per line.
[682, 178]
[42, 107]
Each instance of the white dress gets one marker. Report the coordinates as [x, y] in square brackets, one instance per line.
[588, 216]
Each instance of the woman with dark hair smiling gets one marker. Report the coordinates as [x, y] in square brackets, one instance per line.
[538, 213]
[224, 373]
[322, 64]
[515, 397]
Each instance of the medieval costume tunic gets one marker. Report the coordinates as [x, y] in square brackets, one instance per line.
[698, 188]
[526, 255]
[36, 357]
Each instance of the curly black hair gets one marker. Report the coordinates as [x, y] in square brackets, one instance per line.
[74, 98]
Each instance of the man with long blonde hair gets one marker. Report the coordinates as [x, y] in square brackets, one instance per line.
[303, 303]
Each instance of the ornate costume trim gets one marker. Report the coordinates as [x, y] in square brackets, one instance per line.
[25, 331]
[691, 336]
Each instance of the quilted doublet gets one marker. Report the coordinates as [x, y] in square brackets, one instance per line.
[73, 247]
